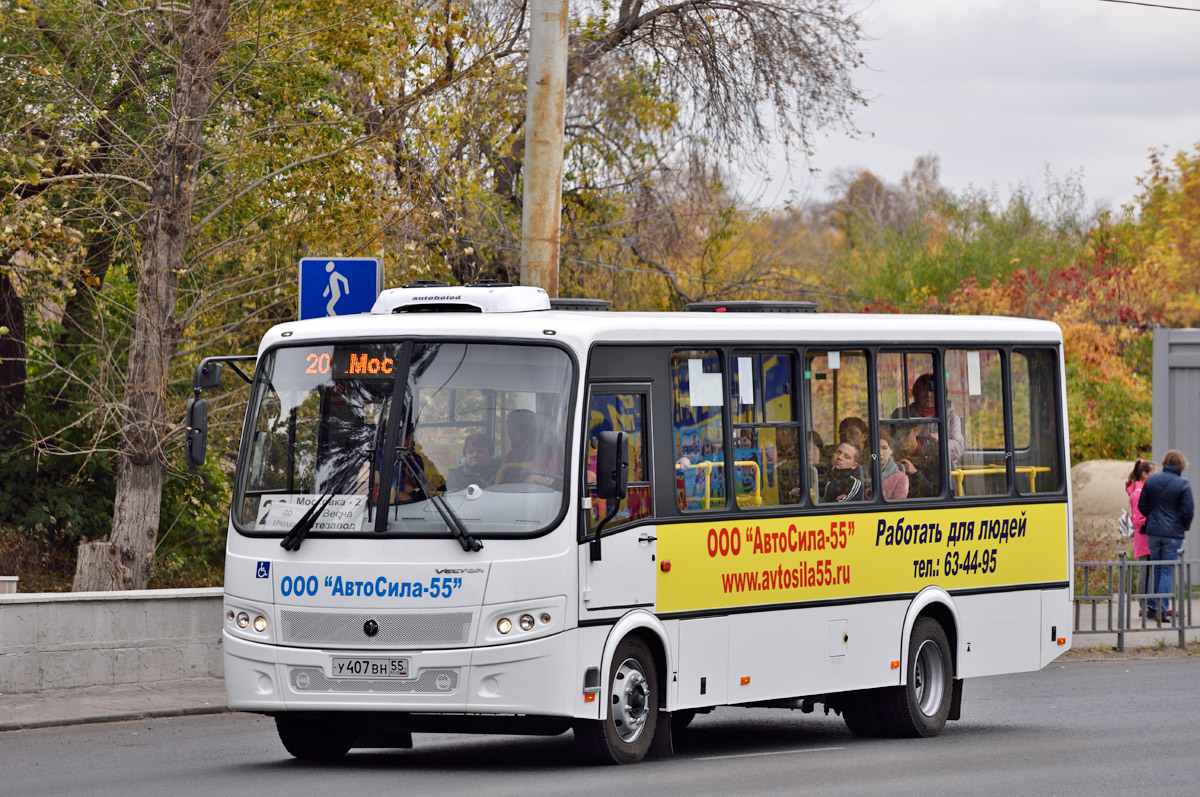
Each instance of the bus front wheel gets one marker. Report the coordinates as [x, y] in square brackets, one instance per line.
[313, 737]
[624, 733]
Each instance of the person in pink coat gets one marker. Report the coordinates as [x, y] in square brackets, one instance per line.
[893, 477]
[1141, 549]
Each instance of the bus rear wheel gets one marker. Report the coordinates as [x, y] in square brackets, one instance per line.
[922, 706]
[623, 735]
[315, 737]
[861, 712]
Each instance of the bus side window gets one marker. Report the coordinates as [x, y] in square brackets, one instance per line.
[697, 392]
[975, 391]
[839, 407]
[1036, 421]
[766, 428]
[909, 422]
[619, 412]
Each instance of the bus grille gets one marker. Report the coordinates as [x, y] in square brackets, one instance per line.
[408, 630]
[430, 682]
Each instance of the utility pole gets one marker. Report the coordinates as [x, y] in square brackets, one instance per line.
[546, 90]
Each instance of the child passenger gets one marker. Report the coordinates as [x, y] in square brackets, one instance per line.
[843, 484]
[893, 478]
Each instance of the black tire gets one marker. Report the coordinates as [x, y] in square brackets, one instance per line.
[314, 737]
[922, 706]
[681, 719]
[861, 713]
[624, 734]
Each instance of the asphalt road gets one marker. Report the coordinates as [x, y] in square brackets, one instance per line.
[1122, 726]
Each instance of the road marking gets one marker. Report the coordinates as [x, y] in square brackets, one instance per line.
[774, 752]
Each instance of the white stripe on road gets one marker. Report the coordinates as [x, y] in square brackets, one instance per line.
[774, 752]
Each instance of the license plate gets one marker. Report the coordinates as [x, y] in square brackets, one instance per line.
[344, 667]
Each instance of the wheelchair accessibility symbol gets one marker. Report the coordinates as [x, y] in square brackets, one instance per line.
[264, 570]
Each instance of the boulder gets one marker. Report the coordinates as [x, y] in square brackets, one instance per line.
[1098, 490]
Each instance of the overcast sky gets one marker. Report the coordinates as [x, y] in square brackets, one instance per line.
[1003, 89]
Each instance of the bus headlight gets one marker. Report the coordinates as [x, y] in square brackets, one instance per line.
[504, 626]
[260, 624]
[243, 620]
[526, 622]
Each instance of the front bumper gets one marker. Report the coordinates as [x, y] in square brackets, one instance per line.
[534, 677]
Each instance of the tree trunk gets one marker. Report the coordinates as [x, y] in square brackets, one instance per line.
[12, 357]
[167, 228]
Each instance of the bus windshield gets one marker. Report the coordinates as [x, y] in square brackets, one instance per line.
[483, 423]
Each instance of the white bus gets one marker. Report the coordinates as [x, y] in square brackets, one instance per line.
[469, 511]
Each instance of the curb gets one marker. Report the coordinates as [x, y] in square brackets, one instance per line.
[122, 716]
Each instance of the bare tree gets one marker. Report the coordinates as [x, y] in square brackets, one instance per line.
[124, 561]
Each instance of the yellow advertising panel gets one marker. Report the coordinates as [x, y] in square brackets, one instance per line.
[823, 557]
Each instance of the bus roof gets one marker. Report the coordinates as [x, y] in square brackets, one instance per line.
[582, 329]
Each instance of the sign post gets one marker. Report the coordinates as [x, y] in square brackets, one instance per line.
[333, 286]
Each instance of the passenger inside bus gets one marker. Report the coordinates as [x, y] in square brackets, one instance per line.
[531, 457]
[893, 479]
[478, 464]
[924, 406]
[844, 483]
[854, 430]
[920, 458]
[405, 488]
[815, 448]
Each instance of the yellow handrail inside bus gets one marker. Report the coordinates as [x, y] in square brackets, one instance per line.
[743, 500]
[964, 471]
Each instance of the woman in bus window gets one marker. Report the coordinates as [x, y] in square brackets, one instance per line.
[893, 478]
[924, 406]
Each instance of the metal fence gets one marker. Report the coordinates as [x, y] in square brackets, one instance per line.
[1106, 593]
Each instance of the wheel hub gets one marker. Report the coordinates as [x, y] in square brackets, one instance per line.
[631, 700]
[929, 678]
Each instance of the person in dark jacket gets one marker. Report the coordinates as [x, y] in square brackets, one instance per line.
[1166, 502]
[478, 464]
[843, 484]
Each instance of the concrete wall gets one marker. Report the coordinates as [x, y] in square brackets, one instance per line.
[63, 640]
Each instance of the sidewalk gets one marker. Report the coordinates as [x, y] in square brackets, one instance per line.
[207, 695]
[1149, 638]
[111, 703]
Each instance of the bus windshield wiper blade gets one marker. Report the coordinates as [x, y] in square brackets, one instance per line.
[292, 540]
[410, 463]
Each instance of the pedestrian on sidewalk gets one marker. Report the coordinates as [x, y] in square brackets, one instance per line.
[1141, 549]
[1166, 501]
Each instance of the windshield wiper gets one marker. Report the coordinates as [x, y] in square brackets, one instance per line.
[341, 480]
[408, 459]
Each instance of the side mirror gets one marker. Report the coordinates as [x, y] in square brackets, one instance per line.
[207, 375]
[612, 479]
[612, 465]
[196, 445]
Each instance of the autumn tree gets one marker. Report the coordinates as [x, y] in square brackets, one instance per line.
[654, 89]
[164, 166]
[209, 145]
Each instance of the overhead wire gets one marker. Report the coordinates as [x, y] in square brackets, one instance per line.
[1150, 5]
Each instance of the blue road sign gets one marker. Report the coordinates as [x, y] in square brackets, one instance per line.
[332, 286]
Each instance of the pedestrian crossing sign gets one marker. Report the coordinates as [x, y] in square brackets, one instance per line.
[334, 286]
